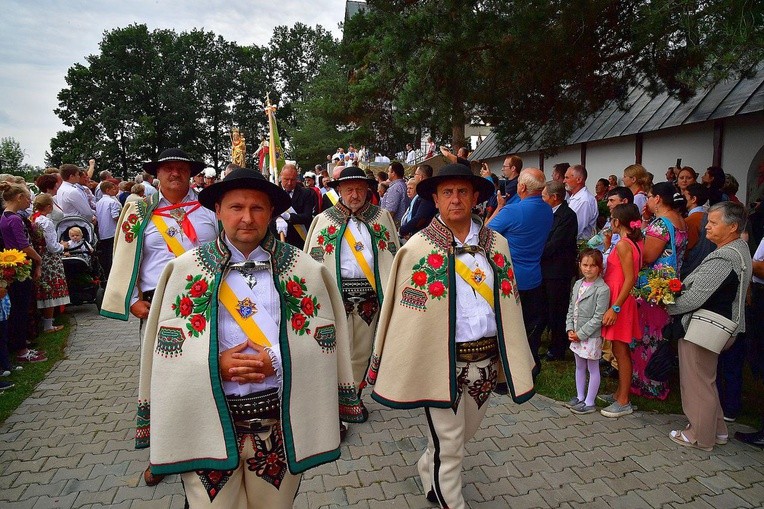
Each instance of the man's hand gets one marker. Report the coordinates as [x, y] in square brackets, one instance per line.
[236, 366]
[140, 309]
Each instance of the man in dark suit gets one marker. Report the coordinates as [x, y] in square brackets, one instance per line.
[295, 221]
[420, 212]
[558, 267]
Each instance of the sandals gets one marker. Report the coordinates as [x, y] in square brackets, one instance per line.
[55, 328]
[151, 479]
[678, 437]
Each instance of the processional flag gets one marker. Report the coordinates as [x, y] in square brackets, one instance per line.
[274, 158]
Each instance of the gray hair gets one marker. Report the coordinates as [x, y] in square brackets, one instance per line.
[105, 174]
[732, 213]
[555, 188]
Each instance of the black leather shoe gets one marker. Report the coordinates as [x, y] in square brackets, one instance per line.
[756, 438]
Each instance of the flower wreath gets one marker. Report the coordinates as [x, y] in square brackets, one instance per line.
[131, 227]
[300, 305]
[194, 305]
[431, 275]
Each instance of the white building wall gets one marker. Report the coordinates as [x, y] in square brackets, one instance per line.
[693, 143]
[609, 157]
[570, 155]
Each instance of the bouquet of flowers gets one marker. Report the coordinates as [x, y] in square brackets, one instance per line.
[14, 266]
[657, 285]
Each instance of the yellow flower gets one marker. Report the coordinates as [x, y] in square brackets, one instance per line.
[11, 258]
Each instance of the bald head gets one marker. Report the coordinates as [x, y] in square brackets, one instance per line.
[336, 172]
[530, 182]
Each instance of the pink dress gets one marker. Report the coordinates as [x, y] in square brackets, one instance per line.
[626, 327]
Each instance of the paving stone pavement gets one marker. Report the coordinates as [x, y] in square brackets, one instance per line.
[71, 445]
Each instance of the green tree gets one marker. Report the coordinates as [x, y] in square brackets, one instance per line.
[527, 64]
[11, 155]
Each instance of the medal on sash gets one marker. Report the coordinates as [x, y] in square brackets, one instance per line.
[478, 276]
[246, 308]
[358, 246]
[172, 231]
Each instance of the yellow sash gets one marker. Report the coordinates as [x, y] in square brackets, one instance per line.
[360, 258]
[248, 325]
[175, 246]
[333, 197]
[227, 297]
[299, 228]
[467, 275]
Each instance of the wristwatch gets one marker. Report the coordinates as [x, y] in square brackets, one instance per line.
[617, 309]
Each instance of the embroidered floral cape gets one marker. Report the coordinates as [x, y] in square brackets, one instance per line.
[181, 407]
[128, 244]
[414, 359]
[325, 238]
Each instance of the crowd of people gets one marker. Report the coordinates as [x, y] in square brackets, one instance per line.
[267, 308]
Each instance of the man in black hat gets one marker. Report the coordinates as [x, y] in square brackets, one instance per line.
[152, 232]
[450, 323]
[267, 320]
[356, 241]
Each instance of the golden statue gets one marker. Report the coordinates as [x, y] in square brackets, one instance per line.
[238, 148]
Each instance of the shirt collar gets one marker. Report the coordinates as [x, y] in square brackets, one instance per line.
[554, 209]
[258, 254]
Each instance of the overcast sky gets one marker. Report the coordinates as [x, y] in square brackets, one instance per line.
[40, 40]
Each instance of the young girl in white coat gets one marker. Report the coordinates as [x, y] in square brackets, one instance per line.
[588, 302]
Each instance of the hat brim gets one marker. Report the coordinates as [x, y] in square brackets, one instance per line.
[152, 167]
[428, 187]
[211, 195]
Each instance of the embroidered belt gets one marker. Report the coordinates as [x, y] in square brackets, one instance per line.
[475, 351]
[255, 407]
[356, 290]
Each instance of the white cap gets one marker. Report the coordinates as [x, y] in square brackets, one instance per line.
[210, 173]
[309, 175]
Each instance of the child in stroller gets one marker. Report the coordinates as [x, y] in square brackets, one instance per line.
[78, 246]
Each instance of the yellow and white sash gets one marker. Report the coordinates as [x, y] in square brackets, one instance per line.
[333, 196]
[300, 228]
[476, 279]
[227, 296]
[359, 255]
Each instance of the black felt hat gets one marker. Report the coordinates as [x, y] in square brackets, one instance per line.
[426, 188]
[244, 178]
[352, 173]
[173, 154]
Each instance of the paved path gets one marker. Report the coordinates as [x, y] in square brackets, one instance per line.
[71, 445]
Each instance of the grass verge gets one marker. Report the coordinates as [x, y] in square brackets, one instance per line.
[27, 379]
[557, 380]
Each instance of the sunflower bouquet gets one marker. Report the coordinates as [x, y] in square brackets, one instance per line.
[657, 285]
[14, 266]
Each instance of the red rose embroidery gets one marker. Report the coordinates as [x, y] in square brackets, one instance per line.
[377, 227]
[307, 306]
[510, 273]
[132, 218]
[387, 235]
[435, 260]
[186, 307]
[298, 321]
[331, 230]
[320, 239]
[506, 287]
[129, 237]
[382, 244]
[294, 289]
[198, 323]
[199, 288]
[189, 277]
[329, 248]
[125, 227]
[419, 278]
[498, 259]
[436, 289]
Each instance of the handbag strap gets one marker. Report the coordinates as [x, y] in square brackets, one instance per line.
[740, 288]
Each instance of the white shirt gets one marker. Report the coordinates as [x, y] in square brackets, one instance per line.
[149, 189]
[156, 254]
[108, 209]
[349, 268]
[49, 231]
[72, 201]
[410, 157]
[88, 194]
[266, 298]
[584, 204]
[475, 318]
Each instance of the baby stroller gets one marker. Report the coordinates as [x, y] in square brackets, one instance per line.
[82, 270]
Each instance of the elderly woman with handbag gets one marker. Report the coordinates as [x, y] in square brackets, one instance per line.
[712, 305]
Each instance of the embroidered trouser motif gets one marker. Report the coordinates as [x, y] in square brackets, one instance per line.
[262, 479]
[361, 341]
[440, 467]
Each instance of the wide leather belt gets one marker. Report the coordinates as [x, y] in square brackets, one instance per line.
[475, 351]
[356, 290]
[260, 406]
